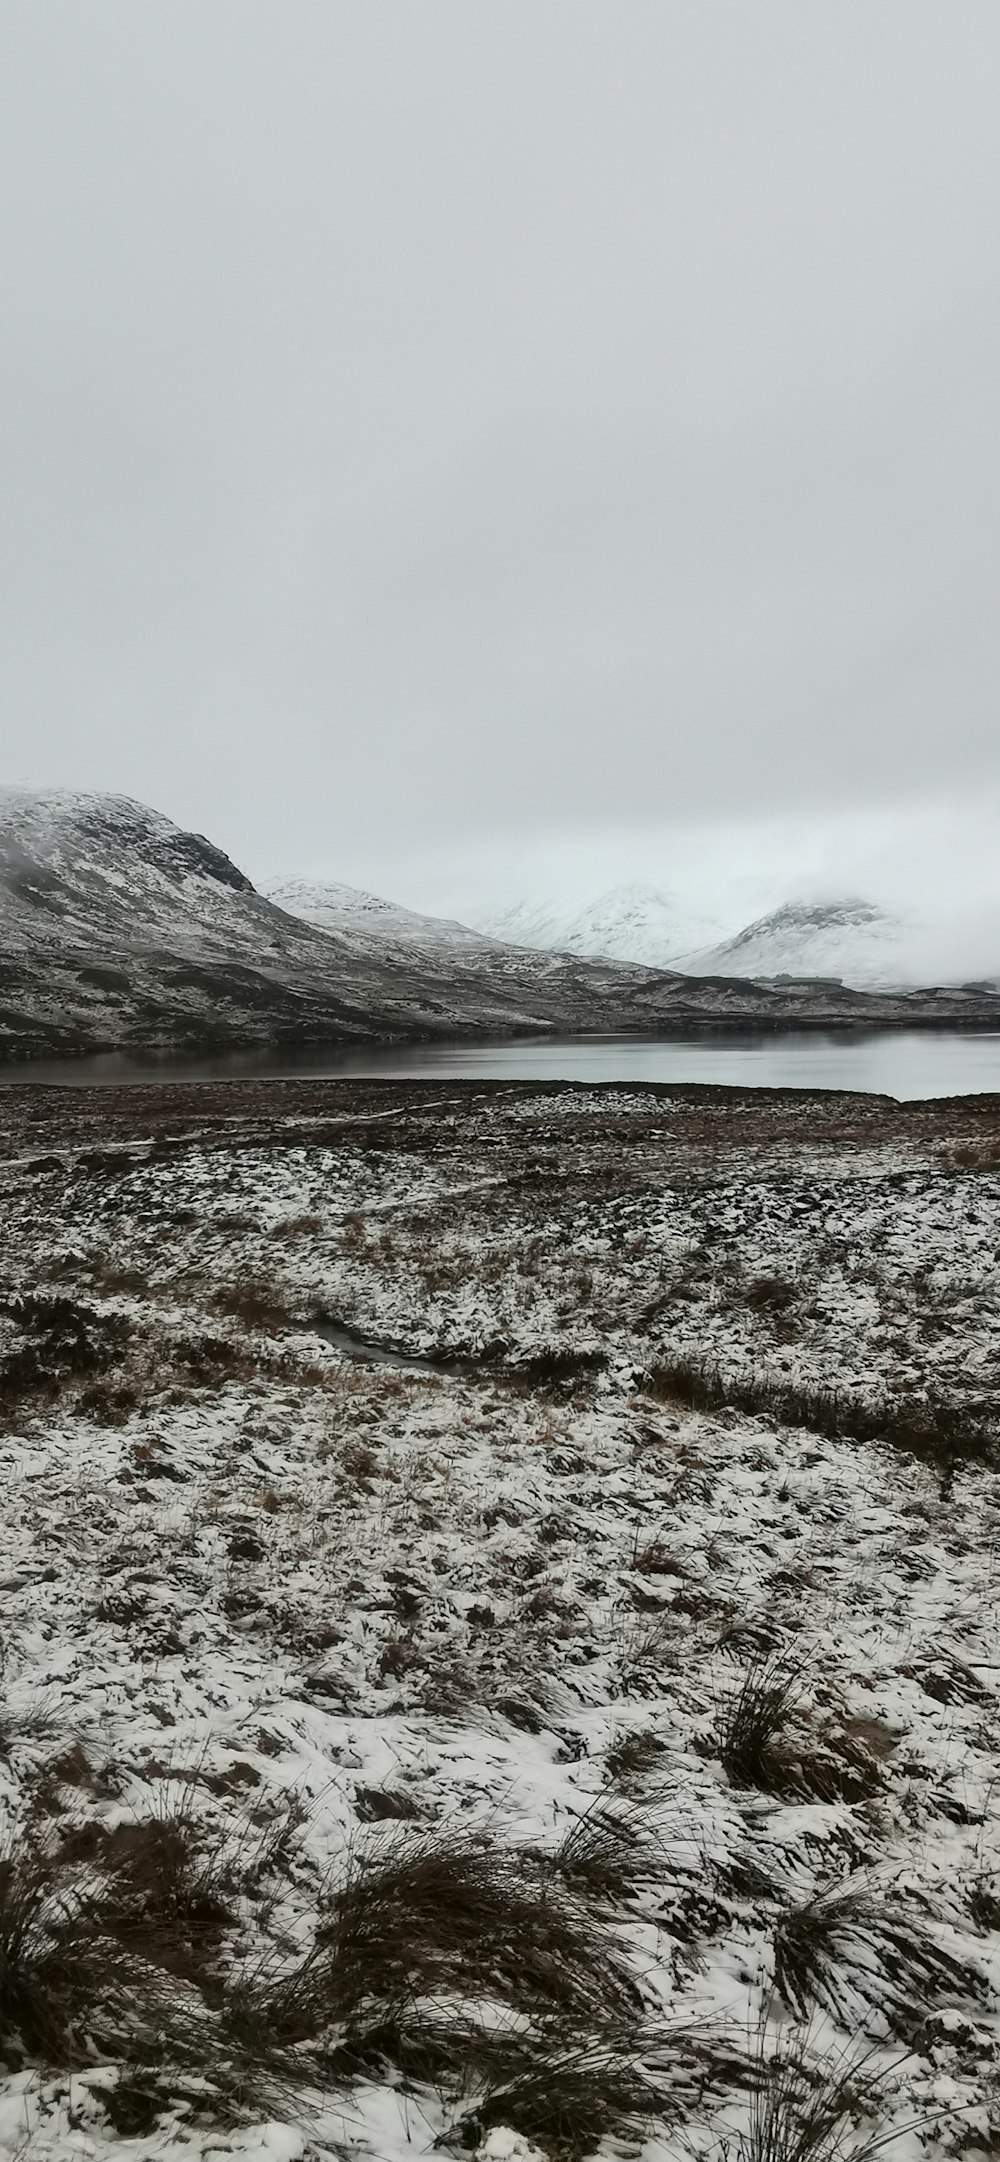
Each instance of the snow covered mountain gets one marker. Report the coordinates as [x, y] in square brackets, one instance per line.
[631, 923]
[349, 911]
[852, 940]
[120, 931]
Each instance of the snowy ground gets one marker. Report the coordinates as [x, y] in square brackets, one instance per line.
[314, 1614]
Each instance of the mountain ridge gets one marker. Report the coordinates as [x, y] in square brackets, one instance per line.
[353, 911]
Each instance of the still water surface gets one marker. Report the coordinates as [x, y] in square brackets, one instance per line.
[904, 1063]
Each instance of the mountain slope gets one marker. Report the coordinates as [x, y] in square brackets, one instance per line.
[850, 939]
[119, 931]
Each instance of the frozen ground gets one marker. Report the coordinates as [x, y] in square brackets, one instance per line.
[371, 1778]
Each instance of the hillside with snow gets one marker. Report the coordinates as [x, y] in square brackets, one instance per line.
[348, 911]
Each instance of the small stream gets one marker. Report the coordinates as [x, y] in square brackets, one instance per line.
[362, 1348]
[544, 1368]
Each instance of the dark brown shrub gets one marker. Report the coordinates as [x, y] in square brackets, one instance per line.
[254, 1303]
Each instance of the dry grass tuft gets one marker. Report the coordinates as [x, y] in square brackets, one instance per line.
[647, 1645]
[751, 1722]
[62, 1341]
[556, 1371]
[633, 1754]
[163, 1895]
[771, 1294]
[655, 1559]
[766, 1739]
[567, 2103]
[435, 1912]
[69, 1984]
[297, 1227]
[607, 1853]
[419, 1923]
[803, 2112]
[256, 1303]
[845, 1948]
[382, 1805]
[979, 1155]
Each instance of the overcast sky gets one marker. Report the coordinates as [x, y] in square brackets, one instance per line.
[476, 427]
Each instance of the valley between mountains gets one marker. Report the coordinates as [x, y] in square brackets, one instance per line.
[121, 932]
[501, 1649]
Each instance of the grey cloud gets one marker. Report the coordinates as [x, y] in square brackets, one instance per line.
[421, 424]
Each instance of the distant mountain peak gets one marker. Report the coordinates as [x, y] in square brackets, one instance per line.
[633, 922]
[846, 937]
[816, 916]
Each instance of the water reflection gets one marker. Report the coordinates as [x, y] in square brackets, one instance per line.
[904, 1063]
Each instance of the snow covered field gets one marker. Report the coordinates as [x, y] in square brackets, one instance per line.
[576, 1736]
